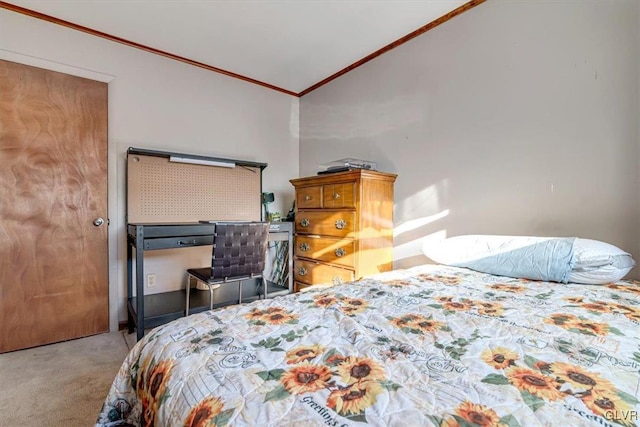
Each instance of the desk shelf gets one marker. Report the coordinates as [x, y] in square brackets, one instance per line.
[164, 307]
[156, 309]
[167, 306]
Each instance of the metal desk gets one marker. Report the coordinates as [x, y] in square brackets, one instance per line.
[149, 311]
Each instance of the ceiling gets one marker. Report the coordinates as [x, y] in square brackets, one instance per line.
[289, 44]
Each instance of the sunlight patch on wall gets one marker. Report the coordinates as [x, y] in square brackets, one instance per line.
[419, 216]
[426, 201]
[419, 222]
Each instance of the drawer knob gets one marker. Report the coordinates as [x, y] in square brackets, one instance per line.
[307, 197]
[304, 247]
[340, 252]
[340, 224]
[336, 280]
[336, 196]
[305, 222]
[302, 271]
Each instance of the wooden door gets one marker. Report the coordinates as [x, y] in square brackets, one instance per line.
[53, 185]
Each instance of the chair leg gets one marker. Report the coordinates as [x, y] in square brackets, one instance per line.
[188, 289]
[264, 285]
[210, 297]
[239, 291]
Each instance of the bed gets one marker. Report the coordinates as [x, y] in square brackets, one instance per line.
[431, 345]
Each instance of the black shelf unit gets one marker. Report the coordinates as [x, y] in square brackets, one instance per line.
[167, 306]
[156, 309]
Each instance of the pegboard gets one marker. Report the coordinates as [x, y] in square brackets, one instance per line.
[161, 191]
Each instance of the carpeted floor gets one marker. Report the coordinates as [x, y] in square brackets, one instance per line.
[60, 384]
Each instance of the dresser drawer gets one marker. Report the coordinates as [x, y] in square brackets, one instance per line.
[315, 273]
[339, 195]
[326, 249]
[337, 224]
[299, 286]
[309, 197]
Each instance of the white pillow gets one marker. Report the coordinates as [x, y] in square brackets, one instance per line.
[472, 247]
[598, 262]
[591, 261]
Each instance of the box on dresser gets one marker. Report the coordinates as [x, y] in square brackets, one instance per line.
[343, 226]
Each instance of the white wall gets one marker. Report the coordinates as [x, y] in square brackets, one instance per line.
[161, 104]
[512, 118]
[480, 117]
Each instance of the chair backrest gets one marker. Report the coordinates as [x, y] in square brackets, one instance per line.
[239, 249]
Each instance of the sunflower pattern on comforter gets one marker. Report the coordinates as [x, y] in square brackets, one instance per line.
[431, 345]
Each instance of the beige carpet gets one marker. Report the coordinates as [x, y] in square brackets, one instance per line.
[60, 384]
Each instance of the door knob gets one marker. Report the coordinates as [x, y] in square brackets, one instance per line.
[98, 222]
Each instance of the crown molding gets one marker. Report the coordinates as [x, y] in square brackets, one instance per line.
[87, 30]
[34, 14]
[393, 45]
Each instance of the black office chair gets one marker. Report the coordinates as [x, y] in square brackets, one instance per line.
[239, 251]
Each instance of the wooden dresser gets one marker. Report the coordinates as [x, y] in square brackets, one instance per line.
[344, 226]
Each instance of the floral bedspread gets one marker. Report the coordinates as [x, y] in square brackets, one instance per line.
[427, 346]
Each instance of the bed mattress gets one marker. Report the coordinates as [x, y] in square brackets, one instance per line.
[427, 346]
